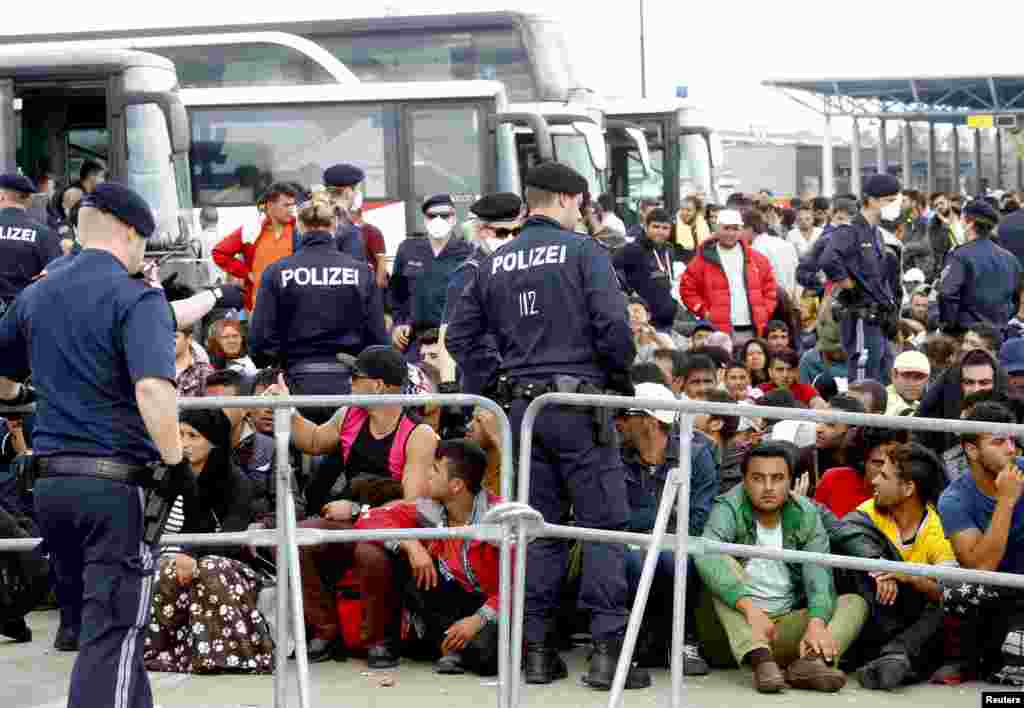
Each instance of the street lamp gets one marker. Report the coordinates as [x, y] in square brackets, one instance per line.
[643, 55]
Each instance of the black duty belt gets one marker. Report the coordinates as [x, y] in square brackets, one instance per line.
[530, 391]
[319, 367]
[98, 467]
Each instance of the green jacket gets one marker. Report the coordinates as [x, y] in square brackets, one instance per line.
[732, 521]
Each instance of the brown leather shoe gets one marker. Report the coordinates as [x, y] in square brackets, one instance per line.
[811, 673]
[768, 678]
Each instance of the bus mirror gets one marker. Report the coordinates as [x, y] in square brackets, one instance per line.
[536, 123]
[174, 112]
[638, 137]
[595, 144]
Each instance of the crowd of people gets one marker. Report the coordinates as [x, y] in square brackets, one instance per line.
[895, 303]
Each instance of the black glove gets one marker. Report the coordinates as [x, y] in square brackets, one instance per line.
[229, 297]
[26, 396]
[848, 297]
[621, 384]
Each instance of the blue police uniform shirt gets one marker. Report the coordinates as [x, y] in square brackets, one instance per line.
[26, 246]
[419, 281]
[551, 301]
[88, 332]
[978, 283]
[458, 281]
[349, 239]
[316, 303]
[857, 251]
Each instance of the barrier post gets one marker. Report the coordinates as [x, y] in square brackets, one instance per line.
[283, 557]
[682, 557]
[286, 519]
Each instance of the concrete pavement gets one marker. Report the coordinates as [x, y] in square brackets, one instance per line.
[35, 676]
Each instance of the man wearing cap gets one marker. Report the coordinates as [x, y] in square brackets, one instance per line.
[729, 283]
[245, 254]
[344, 183]
[497, 220]
[545, 313]
[910, 375]
[980, 278]
[855, 259]
[26, 245]
[648, 269]
[423, 267]
[101, 356]
[1011, 359]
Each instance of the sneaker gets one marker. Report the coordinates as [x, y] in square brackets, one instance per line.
[811, 673]
[953, 674]
[694, 663]
[1008, 676]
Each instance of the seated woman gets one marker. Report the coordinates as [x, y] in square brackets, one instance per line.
[204, 617]
[227, 348]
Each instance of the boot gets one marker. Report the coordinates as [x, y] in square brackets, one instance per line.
[320, 650]
[811, 673]
[886, 672]
[67, 638]
[603, 661]
[542, 664]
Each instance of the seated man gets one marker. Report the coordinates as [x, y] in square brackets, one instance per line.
[771, 614]
[453, 591]
[783, 369]
[386, 456]
[843, 489]
[650, 454]
[903, 643]
[983, 517]
[910, 374]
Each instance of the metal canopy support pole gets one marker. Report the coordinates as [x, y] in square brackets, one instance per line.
[908, 144]
[931, 157]
[682, 556]
[1020, 171]
[956, 161]
[881, 162]
[8, 120]
[855, 173]
[828, 183]
[999, 158]
[283, 618]
[977, 160]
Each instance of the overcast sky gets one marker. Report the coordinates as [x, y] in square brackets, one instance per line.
[720, 50]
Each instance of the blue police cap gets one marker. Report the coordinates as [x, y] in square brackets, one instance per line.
[343, 175]
[17, 183]
[879, 186]
[498, 208]
[980, 210]
[556, 177]
[123, 203]
[438, 200]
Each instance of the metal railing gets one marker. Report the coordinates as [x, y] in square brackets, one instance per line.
[526, 523]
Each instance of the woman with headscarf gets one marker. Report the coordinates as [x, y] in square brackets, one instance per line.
[204, 617]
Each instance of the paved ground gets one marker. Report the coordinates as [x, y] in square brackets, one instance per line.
[35, 676]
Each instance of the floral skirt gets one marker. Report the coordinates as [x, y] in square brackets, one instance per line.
[211, 625]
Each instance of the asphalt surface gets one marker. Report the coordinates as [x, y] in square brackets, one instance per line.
[34, 675]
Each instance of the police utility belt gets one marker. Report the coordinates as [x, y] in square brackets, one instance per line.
[97, 467]
[508, 390]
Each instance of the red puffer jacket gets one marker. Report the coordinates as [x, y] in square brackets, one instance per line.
[705, 287]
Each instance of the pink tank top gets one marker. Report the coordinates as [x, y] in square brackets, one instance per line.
[352, 424]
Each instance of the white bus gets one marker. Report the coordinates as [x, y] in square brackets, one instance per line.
[123, 106]
[525, 52]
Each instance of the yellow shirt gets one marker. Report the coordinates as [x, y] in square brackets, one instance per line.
[930, 546]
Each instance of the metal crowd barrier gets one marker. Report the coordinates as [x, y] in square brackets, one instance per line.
[518, 517]
[677, 491]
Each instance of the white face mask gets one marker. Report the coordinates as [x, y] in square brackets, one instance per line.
[438, 227]
[357, 201]
[892, 211]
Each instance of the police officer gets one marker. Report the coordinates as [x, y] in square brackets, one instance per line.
[546, 314]
[420, 278]
[344, 184]
[101, 355]
[855, 259]
[980, 279]
[318, 303]
[26, 245]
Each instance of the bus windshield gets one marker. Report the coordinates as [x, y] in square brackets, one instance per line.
[694, 165]
[150, 169]
[574, 150]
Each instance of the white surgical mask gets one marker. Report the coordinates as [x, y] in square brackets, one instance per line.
[438, 227]
[892, 211]
[357, 201]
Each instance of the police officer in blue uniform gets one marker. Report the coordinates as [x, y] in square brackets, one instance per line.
[854, 258]
[100, 347]
[545, 313]
[497, 218]
[314, 305]
[980, 279]
[343, 183]
[26, 245]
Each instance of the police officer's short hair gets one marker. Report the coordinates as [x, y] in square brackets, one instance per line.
[658, 215]
[466, 461]
[778, 449]
[647, 372]
[537, 198]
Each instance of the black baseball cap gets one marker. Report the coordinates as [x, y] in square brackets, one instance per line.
[381, 362]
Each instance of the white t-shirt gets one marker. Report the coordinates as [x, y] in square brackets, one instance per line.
[770, 583]
[803, 245]
[732, 264]
[783, 257]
